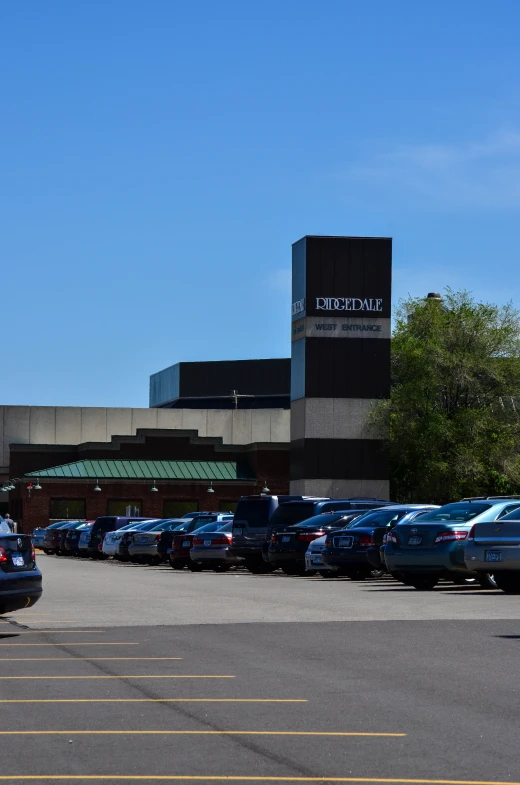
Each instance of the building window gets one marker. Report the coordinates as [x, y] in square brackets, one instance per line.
[67, 509]
[226, 506]
[124, 507]
[173, 508]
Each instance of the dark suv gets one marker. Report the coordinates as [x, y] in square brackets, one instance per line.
[20, 578]
[250, 525]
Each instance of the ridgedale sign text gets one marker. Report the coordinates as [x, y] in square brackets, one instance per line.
[348, 304]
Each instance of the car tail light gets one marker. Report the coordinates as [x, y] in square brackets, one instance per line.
[3, 555]
[366, 539]
[157, 537]
[221, 541]
[273, 538]
[450, 536]
[197, 541]
[33, 553]
[309, 537]
[471, 534]
[392, 537]
[327, 542]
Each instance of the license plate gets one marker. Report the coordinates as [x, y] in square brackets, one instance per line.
[186, 544]
[345, 542]
[414, 540]
[143, 539]
[287, 538]
[493, 556]
[207, 542]
[238, 531]
[18, 561]
[316, 560]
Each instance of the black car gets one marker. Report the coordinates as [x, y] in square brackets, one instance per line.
[20, 578]
[71, 541]
[354, 549]
[62, 533]
[52, 534]
[288, 545]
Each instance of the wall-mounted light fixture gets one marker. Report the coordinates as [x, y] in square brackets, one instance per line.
[96, 487]
[153, 488]
[211, 488]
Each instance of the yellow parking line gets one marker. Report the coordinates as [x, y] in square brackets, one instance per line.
[129, 676]
[191, 733]
[154, 700]
[75, 643]
[238, 778]
[73, 658]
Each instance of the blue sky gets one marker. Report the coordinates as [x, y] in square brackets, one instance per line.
[159, 158]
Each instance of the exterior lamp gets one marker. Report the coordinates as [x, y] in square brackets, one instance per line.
[211, 489]
[265, 489]
[96, 487]
[37, 487]
[153, 488]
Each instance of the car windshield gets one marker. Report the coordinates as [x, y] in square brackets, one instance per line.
[319, 521]
[458, 511]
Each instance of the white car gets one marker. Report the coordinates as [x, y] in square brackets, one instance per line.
[112, 540]
[313, 559]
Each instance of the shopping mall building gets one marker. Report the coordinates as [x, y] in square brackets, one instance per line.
[217, 430]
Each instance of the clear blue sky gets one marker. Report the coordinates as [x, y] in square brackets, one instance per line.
[159, 158]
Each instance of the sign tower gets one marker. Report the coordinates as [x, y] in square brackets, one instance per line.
[340, 364]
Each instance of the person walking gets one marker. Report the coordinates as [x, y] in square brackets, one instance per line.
[10, 523]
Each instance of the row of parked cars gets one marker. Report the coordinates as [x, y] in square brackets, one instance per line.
[475, 540]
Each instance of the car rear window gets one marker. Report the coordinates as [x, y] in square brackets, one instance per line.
[319, 521]
[210, 527]
[292, 513]
[512, 516]
[254, 511]
[379, 518]
[458, 511]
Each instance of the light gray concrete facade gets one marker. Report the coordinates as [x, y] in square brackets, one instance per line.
[76, 425]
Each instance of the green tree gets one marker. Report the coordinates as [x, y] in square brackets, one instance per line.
[453, 418]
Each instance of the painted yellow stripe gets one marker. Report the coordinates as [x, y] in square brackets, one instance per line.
[154, 700]
[236, 778]
[73, 658]
[129, 676]
[76, 643]
[191, 733]
[17, 631]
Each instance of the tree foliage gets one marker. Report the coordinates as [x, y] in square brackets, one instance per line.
[453, 418]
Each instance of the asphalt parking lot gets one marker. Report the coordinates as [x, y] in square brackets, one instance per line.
[93, 689]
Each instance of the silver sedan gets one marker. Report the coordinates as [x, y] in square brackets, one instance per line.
[212, 549]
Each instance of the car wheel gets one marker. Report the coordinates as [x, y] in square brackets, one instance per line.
[508, 581]
[423, 584]
[47, 551]
[377, 573]
[194, 566]
[487, 580]
[460, 581]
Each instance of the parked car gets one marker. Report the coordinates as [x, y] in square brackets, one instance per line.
[71, 541]
[178, 553]
[39, 533]
[420, 553]
[349, 549]
[314, 559]
[288, 545]
[212, 549]
[91, 540]
[143, 545]
[251, 520]
[112, 540]
[51, 537]
[20, 578]
[122, 552]
[165, 545]
[63, 531]
[495, 545]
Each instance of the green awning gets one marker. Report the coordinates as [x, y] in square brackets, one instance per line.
[149, 470]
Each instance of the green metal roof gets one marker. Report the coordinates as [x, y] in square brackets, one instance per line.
[149, 470]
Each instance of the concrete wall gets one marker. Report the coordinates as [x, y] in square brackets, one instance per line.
[75, 425]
